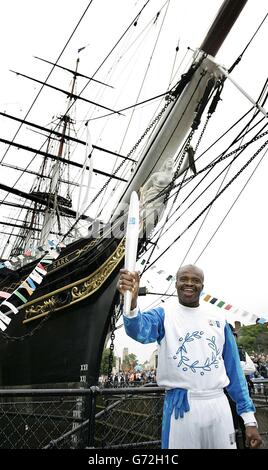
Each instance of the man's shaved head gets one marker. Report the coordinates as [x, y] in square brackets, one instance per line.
[191, 267]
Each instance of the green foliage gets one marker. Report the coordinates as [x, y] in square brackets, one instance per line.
[254, 338]
[129, 362]
[104, 367]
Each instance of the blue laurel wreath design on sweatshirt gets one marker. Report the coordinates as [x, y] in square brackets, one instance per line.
[209, 362]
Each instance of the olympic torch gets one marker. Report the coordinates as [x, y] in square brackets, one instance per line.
[132, 236]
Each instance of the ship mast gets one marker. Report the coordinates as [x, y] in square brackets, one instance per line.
[52, 214]
[50, 208]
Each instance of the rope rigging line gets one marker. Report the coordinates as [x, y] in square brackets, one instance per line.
[203, 190]
[111, 51]
[239, 136]
[208, 93]
[146, 72]
[176, 194]
[246, 47]
[131, 106]
[212, 201]
[232, 205]
[49, 74]
[174, 62]
[208, 212]
[174, 92]
[211, 110]
[237, 122]
[185, 147]
[37, 96]
[210, 167]
[139, 93]
[112, 70]
[177, 92]
[123, 161]
[150, 23]
[34, 101]
[223, 156]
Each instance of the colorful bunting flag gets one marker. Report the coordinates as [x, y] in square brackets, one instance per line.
[17, 261]
[228, 307]
[252, 318]
[4, 295]
[28, 286]
[213, 300]
[207, 297]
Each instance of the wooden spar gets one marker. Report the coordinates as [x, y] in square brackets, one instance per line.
[21, 206]
[30, 172]
[24, 226]
[72, 96]
[224, 21]
[66, 137]
[32, 197]
[73, 71]
[63, 160]
[34, 209]
[178, 118]
[15, 235]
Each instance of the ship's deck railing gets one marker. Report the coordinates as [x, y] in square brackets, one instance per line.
[93, 418]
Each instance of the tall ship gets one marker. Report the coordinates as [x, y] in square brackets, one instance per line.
[65, 186]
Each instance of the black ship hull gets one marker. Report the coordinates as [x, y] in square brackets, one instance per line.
[61, 331]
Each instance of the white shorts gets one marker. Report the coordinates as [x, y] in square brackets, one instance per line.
[208, 424]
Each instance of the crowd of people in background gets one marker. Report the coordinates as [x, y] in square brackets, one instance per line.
[261, 364]
[129, 378]
[142, 377]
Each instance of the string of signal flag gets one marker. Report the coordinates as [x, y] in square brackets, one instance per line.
[20, 296]
[209, 298]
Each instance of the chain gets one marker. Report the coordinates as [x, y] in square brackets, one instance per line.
[8, 338]
[114, 318]
[176, 174]
[231, 180]
[202, 133]
[214, 199]
[224, 157]
[185, 150]
[151, 125]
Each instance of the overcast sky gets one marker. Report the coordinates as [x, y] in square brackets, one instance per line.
[235, 262]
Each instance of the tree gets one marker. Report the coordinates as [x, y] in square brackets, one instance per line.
[104, 367]
[254, 338]
[129, 362]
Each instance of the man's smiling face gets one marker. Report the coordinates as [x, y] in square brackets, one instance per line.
[189, 285]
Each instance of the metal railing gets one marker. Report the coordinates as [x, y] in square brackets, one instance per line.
[93, 418]
[80, 418]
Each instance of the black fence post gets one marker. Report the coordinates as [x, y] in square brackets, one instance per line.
[91, 416]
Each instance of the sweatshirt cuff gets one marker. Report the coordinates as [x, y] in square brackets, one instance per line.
[249, 417]
[133, 313]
